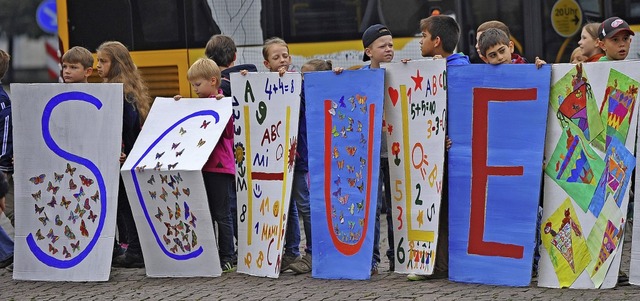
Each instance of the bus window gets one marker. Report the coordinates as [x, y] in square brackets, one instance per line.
[200, 23]
[157, 25]
[92, 22]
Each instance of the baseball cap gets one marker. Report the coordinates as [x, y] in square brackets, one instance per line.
[371, 34]
[611, 26]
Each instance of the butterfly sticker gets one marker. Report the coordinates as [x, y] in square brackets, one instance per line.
[76, 246]
[53, 189]
[176, 193]
[141, 168]
[87, 205]
[53, 237]
[352, 100]
[169, 212]
[341, 101]
[174, 249]
[351, 150]
[95, 196]
[361, 99]
[186, 191]
[52, 249]
[39, 209]
[68, 233]
[178, 178]
[72, 217]
[164, 194]
[57, 220]
[168, 225]
[83, 229]
[341, 116]
[86, 181]
[163, 179]
[360, 208]
[194, 239]
[180, 226]
[53, 202]
[340, 163]
[182, 131]
[70, 170]
[179, 243]
[159, 215]
[187, 246]
[65, 202]
[359, 175]
[44, 219]
[359, 126]
[37, 196]
[65, 252]
[334, 106]
[152, 194]
[57, 177]
[362, 140]
[334, 131]
[178, 154]
[79, 210]
[201, 142]
[363, 162]
[158, 155]
[337, 193]
[172, 166]
[187, 211]
[343, 199]
[39, 235]
[79, 194]
[158, 166]
[204, 125]
[92, 216]
[178, 212]
[72, 185]
[166, 239]
[337, 182]
[352, 182]
[187, 227]
[350, 168]
[193, 220]
[343, 133]
[336, 153]
[185, 237]
[37, 180]
[174, 145]
[361, 187]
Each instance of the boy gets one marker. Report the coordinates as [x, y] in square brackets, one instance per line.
[614, 37]
[440, 35]
[6, 132]
[495, 46]
[77, 65]
[499, 25]
[219, 171]
[276, 58]
[222, 50]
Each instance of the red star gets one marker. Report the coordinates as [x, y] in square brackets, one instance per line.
[390, 129]
[418, 80]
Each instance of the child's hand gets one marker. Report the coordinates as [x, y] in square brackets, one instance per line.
[177, 97]
[282, 71]
[123, 157]
[244, 72]
[338, 70]
[447, 143]
[539, 62]
[437, 57]
[405, 60]
[219, 96]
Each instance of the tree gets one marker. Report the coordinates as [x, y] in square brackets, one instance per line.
[18, 17]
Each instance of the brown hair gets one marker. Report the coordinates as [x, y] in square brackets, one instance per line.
[80, 55]
[494, 24]
[123, 70]
[272, 41]
[444, 27]
[319, 65]
[221, 49]
[592, 29]
[5, 58]
[490, 38]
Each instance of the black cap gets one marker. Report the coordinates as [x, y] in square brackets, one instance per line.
[611, 26]
[371, 34]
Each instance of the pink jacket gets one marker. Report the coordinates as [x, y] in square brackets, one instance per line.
[221, 159]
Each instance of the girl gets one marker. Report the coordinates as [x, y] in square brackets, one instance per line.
[589, 42]
[115, 65]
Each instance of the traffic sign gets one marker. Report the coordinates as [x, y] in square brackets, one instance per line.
[47, 16]
[566, 17]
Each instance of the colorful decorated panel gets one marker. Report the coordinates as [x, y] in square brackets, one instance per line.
[66, 146]
[497, 127]
[590, 161]
[266, 108]
[344, 161]
[166, 190]
[415, 120]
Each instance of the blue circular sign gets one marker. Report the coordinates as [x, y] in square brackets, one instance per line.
[47, 16]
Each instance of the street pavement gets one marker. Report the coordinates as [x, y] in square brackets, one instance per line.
[132, 284]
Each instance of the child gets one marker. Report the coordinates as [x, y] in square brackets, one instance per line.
[6, 131]
[219, 171]
[276, 59]
[495, 46]
[222, 50]
[577, 56]
[77, 65]
[115, 65]
[378, 44]
[300, 190]
[440, 35]
[516, 58]
[614, 38]
[6, 243]
[589, 42]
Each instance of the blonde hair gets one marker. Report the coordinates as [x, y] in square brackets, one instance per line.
[272, 41]
[319, 65]
[80, 55]
[592, 29]
[204, 68]
[5, 58]
[123, 70]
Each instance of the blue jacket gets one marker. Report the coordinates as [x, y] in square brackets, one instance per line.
[302, 152]
[457, 59]
[6, 132]
[225, 83]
